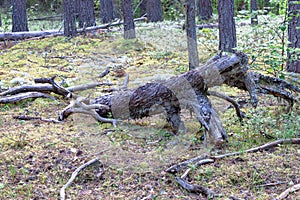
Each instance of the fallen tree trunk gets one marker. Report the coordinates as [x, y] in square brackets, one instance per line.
[188, 90]
[32, 34]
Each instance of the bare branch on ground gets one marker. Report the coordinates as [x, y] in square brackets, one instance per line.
[195, 188]
[23, 96]
[204, 159]
[292, 189]
[74, 175]
[26, 117]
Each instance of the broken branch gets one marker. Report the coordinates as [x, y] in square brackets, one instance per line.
[195, 188]
[284, 194]
[74, 175]
[204, 159]
[23, 96]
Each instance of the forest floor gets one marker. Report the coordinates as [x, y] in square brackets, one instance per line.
[37, 158]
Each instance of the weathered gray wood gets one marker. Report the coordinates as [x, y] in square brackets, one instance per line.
[188, 90]
[33, 34]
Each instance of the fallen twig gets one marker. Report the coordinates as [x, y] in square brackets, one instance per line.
[284, 194]
[23, 96]
[74, 175]
[201, 160]
[178, 167]
[262, 147]
[272, 184]
[26, 117]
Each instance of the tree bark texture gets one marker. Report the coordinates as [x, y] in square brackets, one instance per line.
[204, 9]
[293, 63]
[154, 10]
[19, 17]
[227, 31]
[86, 15]
[0, 19]
[69, 18]
[253, 10]
[129, 27]
[190, 25]
[106, 11]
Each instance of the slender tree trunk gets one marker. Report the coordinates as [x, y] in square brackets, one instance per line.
[106, 11]
[86, 15]
[253, 10]
[227, 32]
[205, 9]
[0, 19]
[19, 17]
[129, 27]
[69, 18]
[190, 26]
[154, 10]
[293, 63]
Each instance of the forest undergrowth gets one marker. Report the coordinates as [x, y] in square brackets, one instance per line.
[37, 158]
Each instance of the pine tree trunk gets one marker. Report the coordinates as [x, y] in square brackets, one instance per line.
[190, 25]
[0, 20]
[154, 10]
[19, 17]
[86, 15]
[106, 11]
[293, 63]
[253, 10]
[227, 32]
[129, 27]
[69, 18]
[205, 9]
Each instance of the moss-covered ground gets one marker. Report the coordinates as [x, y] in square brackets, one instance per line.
[37, 158]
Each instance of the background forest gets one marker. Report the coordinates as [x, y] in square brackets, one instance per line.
[39, 153]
